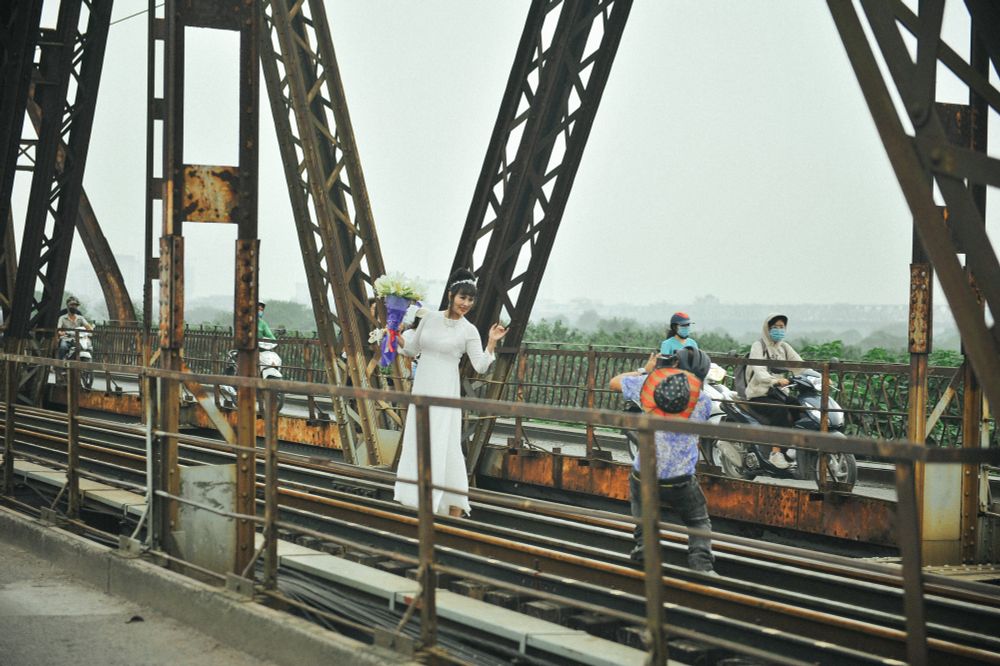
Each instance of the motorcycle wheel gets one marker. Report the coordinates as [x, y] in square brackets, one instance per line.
[725, 454]
[841, 467]
[632, 443]
[87, 379]
[279, 399]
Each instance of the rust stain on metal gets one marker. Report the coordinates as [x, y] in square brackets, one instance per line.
[862, 519]
[210, 193]
[851, 517]
[129, 405]
[290, 429]
[920, 312]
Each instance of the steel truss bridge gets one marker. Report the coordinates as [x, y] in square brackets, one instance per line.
[50, 79]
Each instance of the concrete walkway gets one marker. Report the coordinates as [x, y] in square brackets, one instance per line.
[48, 618]
[67, 600]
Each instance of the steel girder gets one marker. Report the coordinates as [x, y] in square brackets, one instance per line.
[330, 205]
[19, 23]
[103, 260]
[195, 193]
[69, 74]
[926, 157]
[547, 111]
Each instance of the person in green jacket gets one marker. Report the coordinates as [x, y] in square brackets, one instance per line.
[263, 330]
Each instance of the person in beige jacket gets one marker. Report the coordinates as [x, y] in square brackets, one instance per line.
[760, 380]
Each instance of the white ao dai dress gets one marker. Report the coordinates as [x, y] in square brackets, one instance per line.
[440, 342]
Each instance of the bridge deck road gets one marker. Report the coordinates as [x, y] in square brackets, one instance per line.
[48, 618]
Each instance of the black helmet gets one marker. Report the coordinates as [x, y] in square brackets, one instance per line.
[694, 361]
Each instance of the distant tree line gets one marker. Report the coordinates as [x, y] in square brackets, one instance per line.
[297, 320]
[628, 334]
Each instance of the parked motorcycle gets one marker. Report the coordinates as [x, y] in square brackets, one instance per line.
[81, 348]
[743, 460]
[269, 367]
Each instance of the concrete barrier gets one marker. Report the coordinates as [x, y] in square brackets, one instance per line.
[247, 626]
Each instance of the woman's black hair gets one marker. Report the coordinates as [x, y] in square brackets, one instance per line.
[462, 281]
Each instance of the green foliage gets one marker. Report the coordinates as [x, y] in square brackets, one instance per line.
[285, 316]
[947, 357]
[618, 333]
[823, 351]
[880, 355]
[290, 316]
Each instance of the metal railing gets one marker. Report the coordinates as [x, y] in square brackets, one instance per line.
[873, 396]
[905, 455]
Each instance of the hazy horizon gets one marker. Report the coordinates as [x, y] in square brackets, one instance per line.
[732, 155]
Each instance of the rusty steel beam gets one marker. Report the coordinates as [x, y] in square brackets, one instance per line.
[982, 42]
[929, 154]
[67, 55]
[156, 32]
[193, 193]
[19, 23]
[332, 212]
[8, 264]
[547, 111]
[850, 517]
[103, 260]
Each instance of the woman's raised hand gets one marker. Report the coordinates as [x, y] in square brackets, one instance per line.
[497, 332]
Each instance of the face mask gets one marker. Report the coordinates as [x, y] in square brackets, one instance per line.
[683, 331]
[74, 310]
[777, 334]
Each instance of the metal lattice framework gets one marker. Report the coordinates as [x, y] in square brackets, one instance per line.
[98, 249]
[925, 157]
[330, 204]
[19, 23]
[69, 74]
[555, 86]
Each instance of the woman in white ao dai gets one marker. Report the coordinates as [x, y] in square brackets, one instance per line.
[441, 339]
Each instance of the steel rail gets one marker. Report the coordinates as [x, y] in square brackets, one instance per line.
[496, 504]
[352, 508]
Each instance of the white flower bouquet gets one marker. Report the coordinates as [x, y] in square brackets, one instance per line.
[397, 284]
[398, 291]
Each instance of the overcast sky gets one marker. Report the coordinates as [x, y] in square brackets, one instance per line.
[732, 153]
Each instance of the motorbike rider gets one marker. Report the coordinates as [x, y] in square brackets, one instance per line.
[263, 330]
[70, 322]
[765, 389]
[673, 391]
[678, 335]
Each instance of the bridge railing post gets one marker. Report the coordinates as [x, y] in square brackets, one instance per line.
[522, 373]
[591, 382]
[425, 530]
[908, 536]
[150, 388]
[824, 426]
[270, 490]
[10, 399]
[73, 442]
[652, 557]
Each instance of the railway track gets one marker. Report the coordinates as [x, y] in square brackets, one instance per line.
[794, 602]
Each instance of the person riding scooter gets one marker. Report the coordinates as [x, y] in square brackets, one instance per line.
[765, 388]
[69, 323]
[744, 460]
